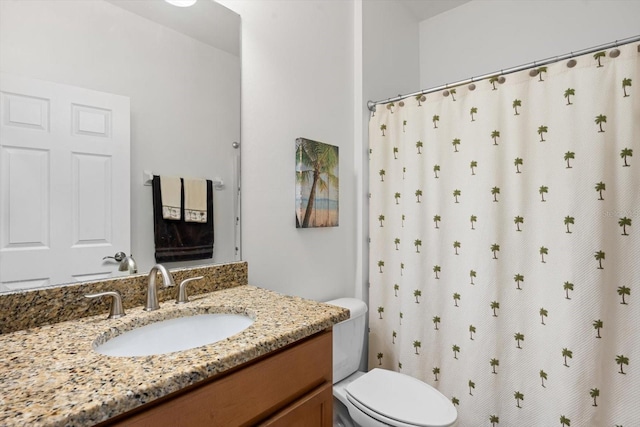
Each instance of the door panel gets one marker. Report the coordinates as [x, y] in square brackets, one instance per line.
[64, 200]
[26, 225]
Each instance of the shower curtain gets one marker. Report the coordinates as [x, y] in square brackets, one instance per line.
[505, 243]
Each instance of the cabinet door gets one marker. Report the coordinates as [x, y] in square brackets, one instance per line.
[249, 395]
[312, 410]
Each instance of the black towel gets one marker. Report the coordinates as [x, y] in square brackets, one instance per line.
[180, 240]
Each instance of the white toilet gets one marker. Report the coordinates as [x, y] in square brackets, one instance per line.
[378, 398]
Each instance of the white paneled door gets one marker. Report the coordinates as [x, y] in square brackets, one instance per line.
[64, 182]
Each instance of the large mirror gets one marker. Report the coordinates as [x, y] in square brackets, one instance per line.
[179, 68]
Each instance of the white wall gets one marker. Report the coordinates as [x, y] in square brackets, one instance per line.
[297, 81]
[484, 36]
[308, 69]
[184, 95]
[390, 50]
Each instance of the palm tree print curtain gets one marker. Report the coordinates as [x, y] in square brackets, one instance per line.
[504, 251]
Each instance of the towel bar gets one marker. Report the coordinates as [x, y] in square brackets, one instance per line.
[147, 177]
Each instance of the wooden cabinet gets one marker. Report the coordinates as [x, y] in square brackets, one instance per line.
[312, 410]
[292, 386]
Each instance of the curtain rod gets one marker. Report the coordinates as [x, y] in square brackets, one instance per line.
[372, 104]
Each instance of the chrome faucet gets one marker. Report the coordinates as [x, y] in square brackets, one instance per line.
[152, 293]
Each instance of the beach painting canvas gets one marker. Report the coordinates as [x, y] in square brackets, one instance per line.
[316, 184]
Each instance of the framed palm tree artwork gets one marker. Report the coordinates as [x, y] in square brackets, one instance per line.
[317, 184]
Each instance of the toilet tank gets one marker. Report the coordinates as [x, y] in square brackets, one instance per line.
[348, 338]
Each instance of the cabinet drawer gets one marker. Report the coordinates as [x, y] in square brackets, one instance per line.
[247, 395]
[312, 410]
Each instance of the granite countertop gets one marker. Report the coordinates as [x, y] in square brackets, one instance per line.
[50, 375]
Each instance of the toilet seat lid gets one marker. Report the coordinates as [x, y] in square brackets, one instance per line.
[399, 399]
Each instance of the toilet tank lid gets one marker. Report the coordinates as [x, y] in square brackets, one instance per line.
[356, 307]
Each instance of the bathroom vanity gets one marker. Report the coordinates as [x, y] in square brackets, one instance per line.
[291, 387]
[277, 371]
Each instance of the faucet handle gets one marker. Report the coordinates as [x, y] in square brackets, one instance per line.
[182, 290]
[116, 310]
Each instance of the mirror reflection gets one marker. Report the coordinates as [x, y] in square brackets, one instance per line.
[150, 89]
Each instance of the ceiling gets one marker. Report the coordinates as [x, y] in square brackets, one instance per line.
[206, 21]
[210, 23]
[425, 9]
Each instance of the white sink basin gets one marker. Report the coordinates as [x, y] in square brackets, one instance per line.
[173, 335]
